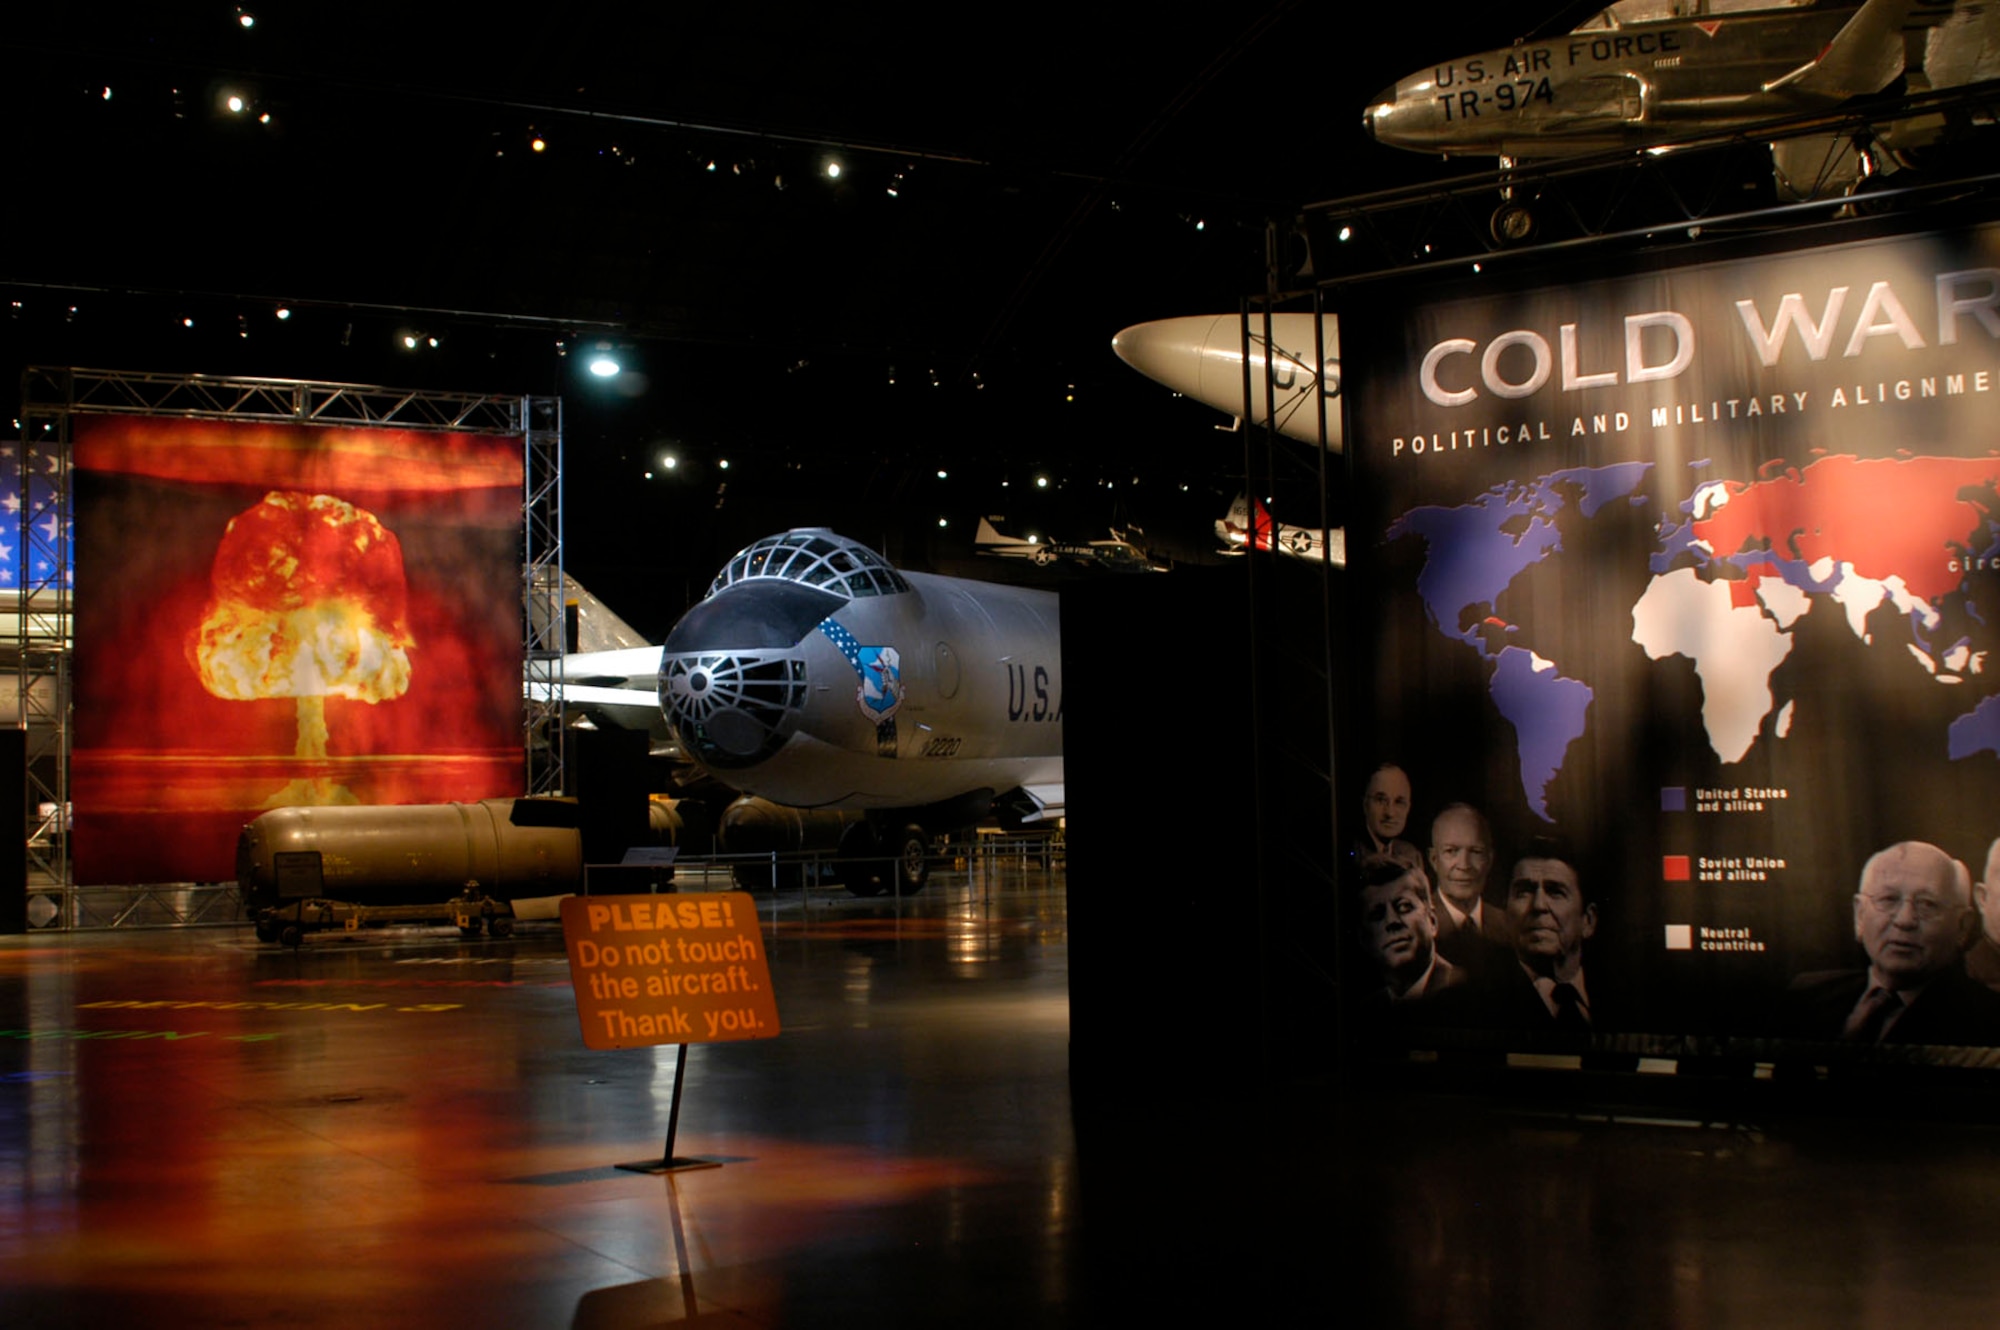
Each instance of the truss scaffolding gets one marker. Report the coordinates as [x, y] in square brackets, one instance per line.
[43, 637]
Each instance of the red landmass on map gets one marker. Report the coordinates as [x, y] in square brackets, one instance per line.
[1885, 516]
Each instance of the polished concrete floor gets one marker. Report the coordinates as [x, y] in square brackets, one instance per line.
[404, 1129]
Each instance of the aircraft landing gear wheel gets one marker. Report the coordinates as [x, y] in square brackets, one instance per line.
[913, 860]
[1512, 224]
[500, 926]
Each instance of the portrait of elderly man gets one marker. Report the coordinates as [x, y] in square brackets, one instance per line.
[1385, 811]
[1399, 933]
[1913, 917]
[1472, 931]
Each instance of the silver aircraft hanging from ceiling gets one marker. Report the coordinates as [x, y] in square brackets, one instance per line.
[1644, 73]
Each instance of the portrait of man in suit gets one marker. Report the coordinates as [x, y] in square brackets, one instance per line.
[1399, 932]
[1471, 930]
[1551, 916]
[1913, 917]
[1385, 811]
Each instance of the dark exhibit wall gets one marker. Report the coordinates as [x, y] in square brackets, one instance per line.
[1695, 574]
[274, 615]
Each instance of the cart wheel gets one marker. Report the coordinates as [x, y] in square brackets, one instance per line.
[500, 926]
[291, 936]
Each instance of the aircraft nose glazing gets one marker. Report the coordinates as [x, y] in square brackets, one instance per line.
[732, 709]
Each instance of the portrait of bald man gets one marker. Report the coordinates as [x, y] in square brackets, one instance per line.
[1385, 811]
[1913, 917]
[1472, 930]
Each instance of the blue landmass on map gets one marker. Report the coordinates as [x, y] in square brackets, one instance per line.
[1547, 712]
[1472, 553]
[1977, 731]
[1471, 556]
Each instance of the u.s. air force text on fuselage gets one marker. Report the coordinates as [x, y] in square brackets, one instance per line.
[1470, 87]
[1660, 345]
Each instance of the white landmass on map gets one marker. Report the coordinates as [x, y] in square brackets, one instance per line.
[1734, 650]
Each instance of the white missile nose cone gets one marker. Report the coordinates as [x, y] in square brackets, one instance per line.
[1201, 356]
[1172, 351]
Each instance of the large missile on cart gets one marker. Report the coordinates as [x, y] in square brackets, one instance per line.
[450, 856]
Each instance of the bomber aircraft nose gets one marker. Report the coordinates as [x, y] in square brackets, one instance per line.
[732, 680]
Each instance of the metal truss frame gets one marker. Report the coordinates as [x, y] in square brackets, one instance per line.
[43, 640]
[544, 623]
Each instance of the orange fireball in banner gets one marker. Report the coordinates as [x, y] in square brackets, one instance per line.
[307, 600]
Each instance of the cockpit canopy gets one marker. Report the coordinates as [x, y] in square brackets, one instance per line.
[815, 557]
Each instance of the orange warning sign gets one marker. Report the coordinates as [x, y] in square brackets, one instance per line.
[668, 969]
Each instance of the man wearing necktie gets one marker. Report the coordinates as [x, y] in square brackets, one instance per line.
[1472, 932]
[1551, 916]
[1913, 917]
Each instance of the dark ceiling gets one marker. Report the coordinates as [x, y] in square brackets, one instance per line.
[1018, 183]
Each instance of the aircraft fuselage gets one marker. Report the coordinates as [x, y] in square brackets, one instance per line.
[919, 691]
[1598, 89]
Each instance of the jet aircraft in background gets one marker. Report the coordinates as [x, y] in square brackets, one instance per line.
[1116, 554]
[612, 675]
[1201, 356]
[816, 675]
[1644, 73]
[1249, 526]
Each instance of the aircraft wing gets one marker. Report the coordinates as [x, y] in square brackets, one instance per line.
[1047, 801]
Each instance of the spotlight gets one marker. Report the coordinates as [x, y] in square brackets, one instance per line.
[1041, 482]
[603, 366]
[833, 168]
[235, 103]
[941, 473]
[536, 142]
[245, 19]
[284, 312]
[670, 461]
[409, 341]
[722, 462]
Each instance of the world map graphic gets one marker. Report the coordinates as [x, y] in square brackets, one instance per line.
[1736, 567]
